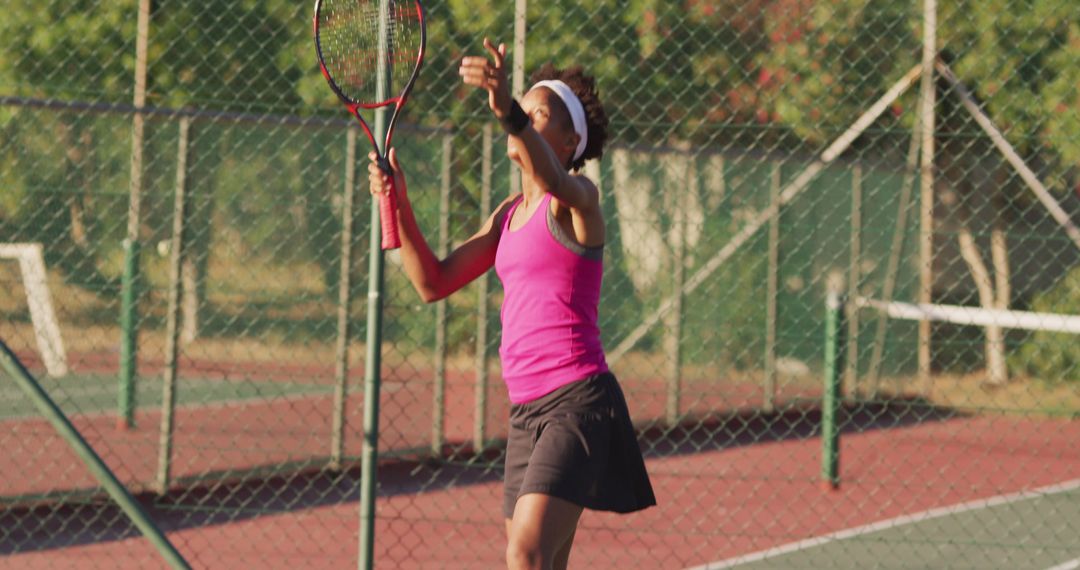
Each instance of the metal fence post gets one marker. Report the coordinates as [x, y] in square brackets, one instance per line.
[438, 417]
[927, 99]
[482, 290]
[129, 317]
[772, 289]
[674, 330]
[373, 361]
[517, 79]
[851, 366]
[341, 356]
[172, 328]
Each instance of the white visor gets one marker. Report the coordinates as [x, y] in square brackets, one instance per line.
[573, 105]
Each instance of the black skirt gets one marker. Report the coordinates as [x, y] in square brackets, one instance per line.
[577, 444]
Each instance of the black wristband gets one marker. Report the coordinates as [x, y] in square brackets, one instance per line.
[516, 120]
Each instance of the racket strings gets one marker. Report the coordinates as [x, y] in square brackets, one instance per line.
[349, 39]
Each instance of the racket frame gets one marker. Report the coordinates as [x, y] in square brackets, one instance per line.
[387, 201]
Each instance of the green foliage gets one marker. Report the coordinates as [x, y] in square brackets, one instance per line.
[1050, 356]
[1019, 56]
[827, 61]
[69, 50]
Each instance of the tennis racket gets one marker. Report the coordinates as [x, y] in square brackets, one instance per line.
[370, 52]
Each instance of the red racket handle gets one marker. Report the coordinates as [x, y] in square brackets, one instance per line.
[388, 213]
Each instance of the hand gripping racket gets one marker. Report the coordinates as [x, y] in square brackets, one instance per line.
[370, 52]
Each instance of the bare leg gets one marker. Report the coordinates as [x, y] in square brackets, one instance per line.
[541, 532]
[562, 557]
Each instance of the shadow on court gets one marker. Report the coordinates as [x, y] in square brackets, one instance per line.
[798, 421]
[96, 520]
[240, 497]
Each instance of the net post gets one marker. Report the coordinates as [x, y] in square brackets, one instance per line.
[172, 329]
[128, 334]
[830, 400]
[344, 308]
[438, 417]
[51, 412]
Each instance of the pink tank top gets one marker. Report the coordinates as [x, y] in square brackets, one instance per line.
[551, 285]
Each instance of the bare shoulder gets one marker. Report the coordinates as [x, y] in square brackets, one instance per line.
[493, 225]
[504, 207]
[589, 191]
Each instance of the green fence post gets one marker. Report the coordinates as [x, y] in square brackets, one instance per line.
[48, 408]
[129, 334]
[830, 400]
[369, 453]
[130, 296]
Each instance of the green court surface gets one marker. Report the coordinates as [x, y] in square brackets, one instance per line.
[91, 394]
[1020, 531]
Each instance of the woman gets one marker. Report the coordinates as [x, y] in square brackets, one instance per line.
[571, 444]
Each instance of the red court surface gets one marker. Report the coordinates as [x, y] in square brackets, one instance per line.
[714, 504]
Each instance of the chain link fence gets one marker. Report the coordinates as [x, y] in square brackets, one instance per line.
[182, 272]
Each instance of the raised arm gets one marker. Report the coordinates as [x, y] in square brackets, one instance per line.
[538, 161]
[433, 278]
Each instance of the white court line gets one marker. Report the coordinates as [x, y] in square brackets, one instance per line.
[255, 399]
[899, 521]
[187, 406]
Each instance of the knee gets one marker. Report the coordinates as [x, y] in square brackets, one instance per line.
[523, 556]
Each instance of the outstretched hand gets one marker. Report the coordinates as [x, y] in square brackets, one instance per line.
[489, 74]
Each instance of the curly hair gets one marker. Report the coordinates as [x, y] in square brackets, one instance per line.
[584, 86]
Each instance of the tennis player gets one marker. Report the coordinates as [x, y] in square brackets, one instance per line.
[571, 444]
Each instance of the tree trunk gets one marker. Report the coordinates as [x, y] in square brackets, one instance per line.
[204, 159]
[996, 371]
[639, 223]
[999, 252]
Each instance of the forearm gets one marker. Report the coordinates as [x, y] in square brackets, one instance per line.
[540, 164]
[421, 265]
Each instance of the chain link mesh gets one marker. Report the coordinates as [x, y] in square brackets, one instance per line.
[739, 188]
